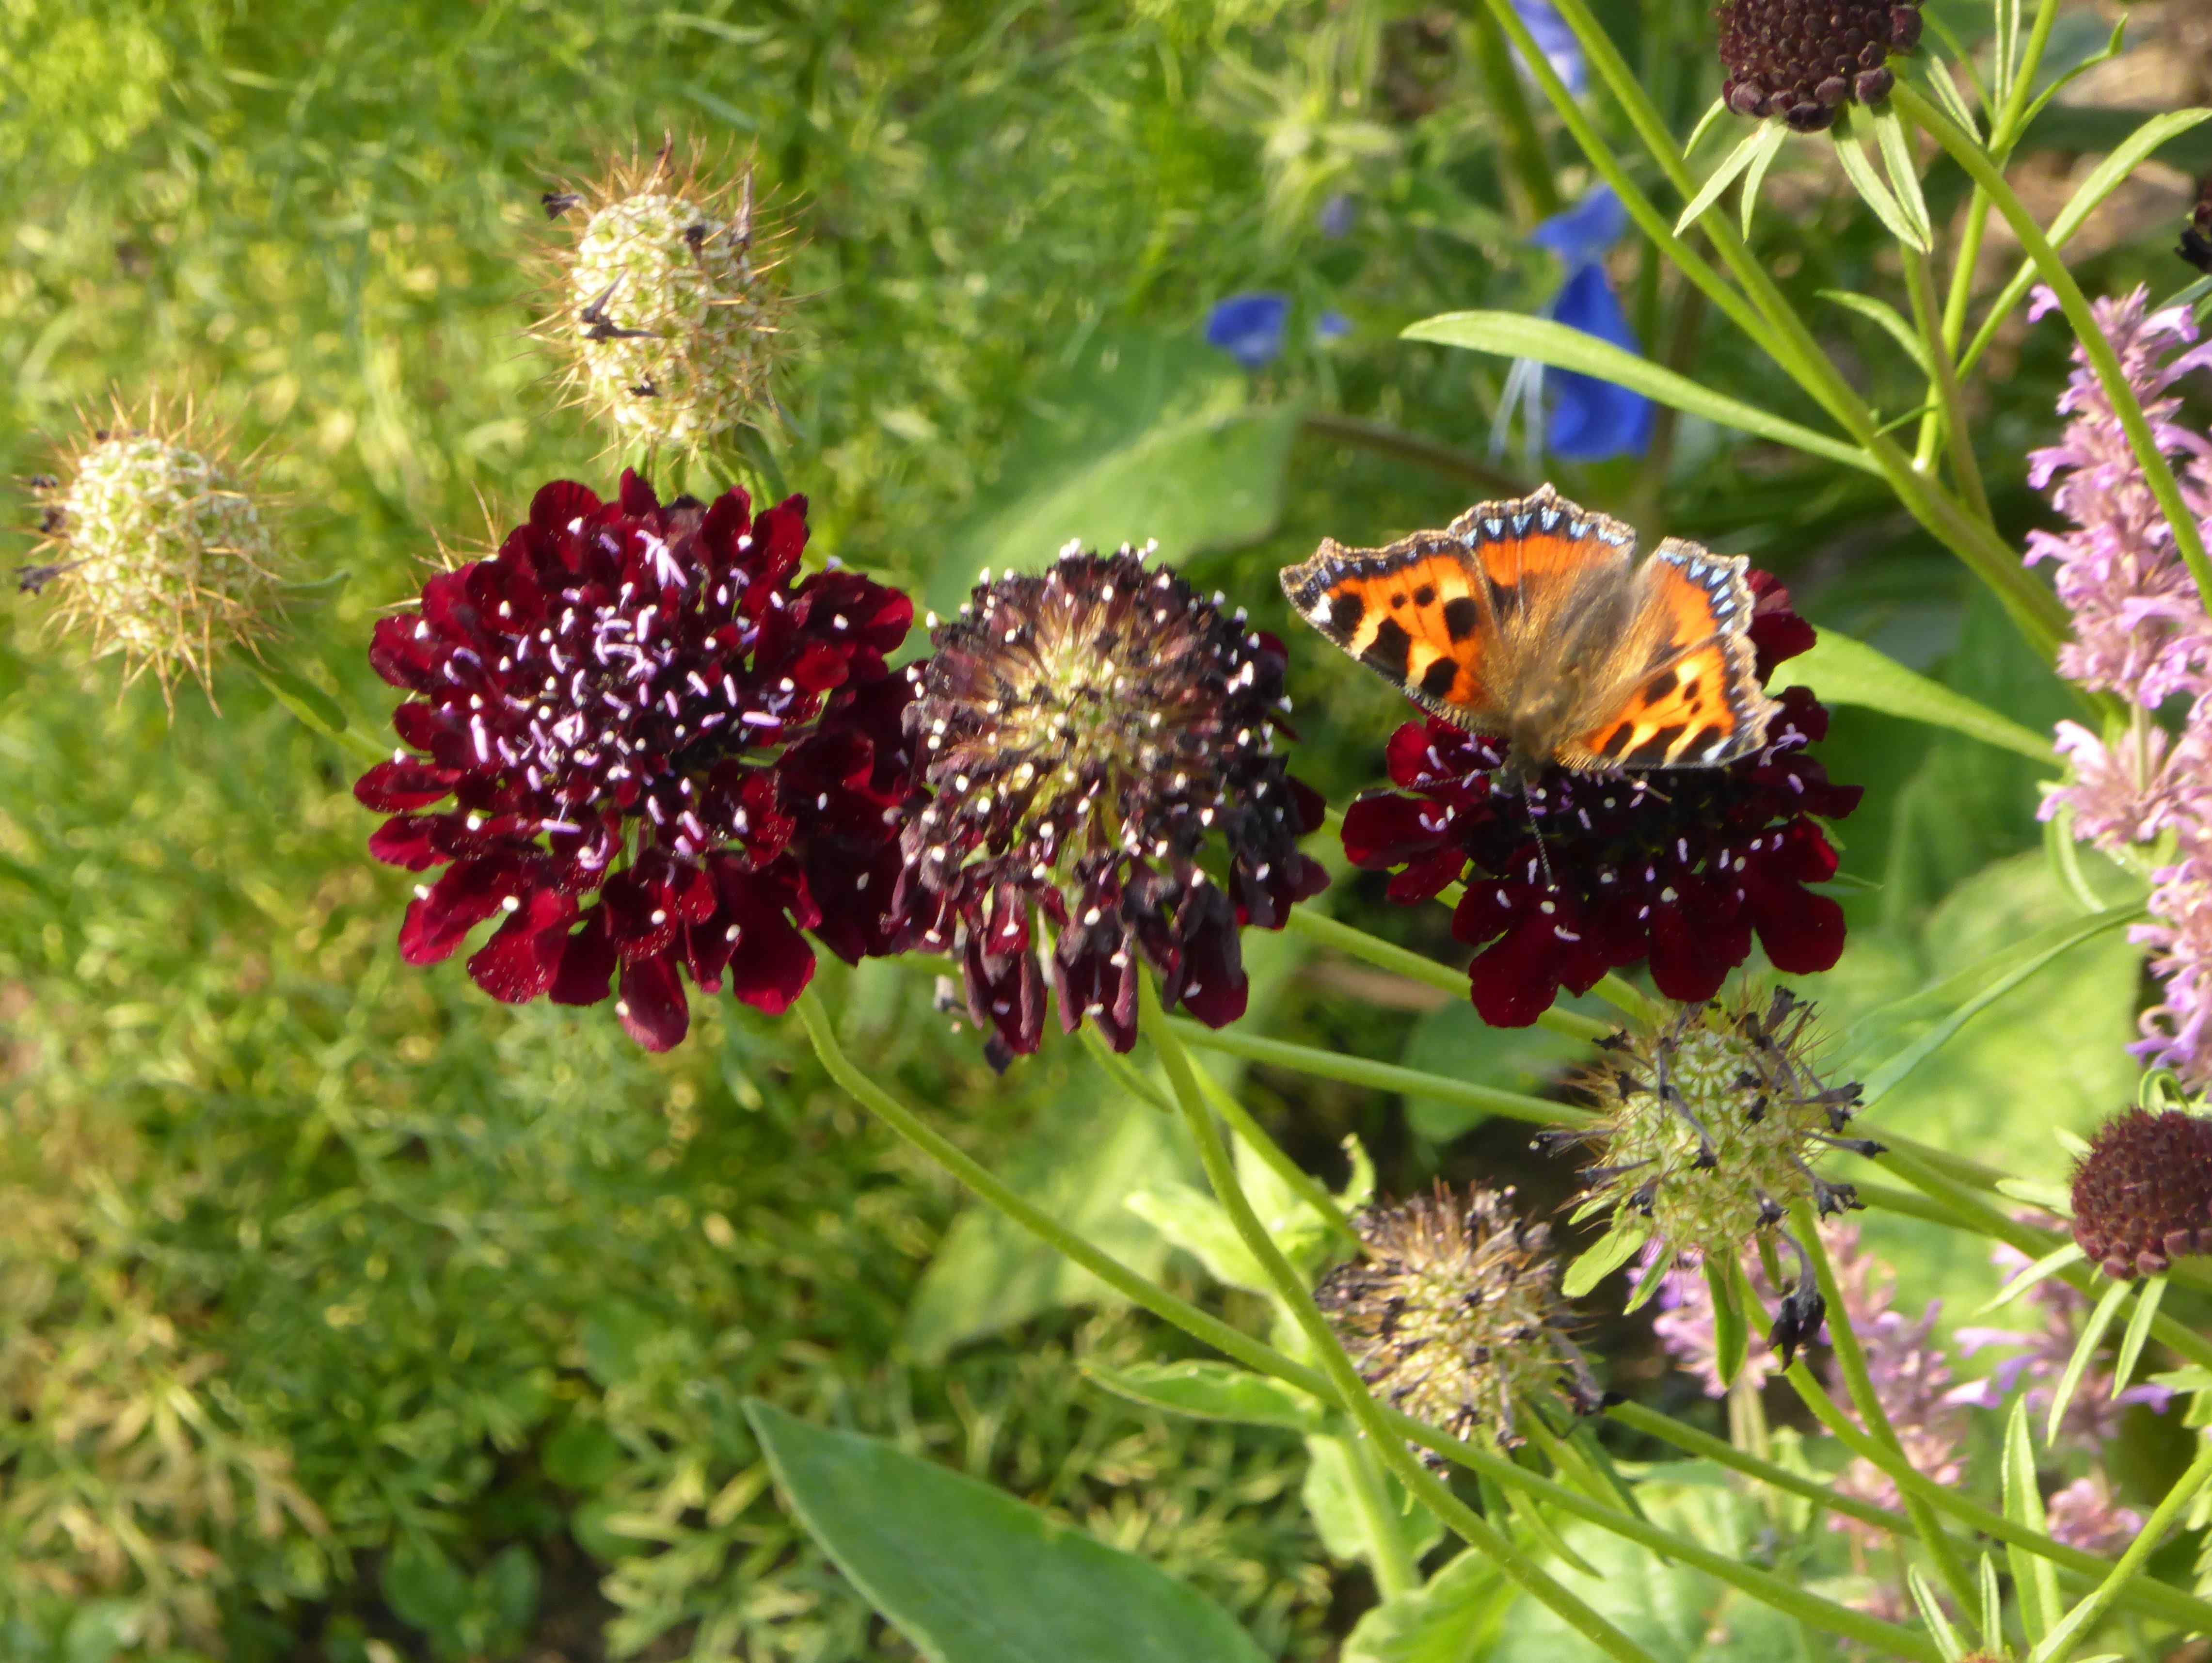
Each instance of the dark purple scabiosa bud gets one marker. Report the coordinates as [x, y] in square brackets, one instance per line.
[1095, 747]
[664, 299]
[1711, 1120]
[667, 752]
[2197, 235]
[2142, 1195]
[1452, 1313]
[1587, 873]
[1800, 60]
[156, 542]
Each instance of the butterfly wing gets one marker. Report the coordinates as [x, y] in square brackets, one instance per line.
[1683, 691]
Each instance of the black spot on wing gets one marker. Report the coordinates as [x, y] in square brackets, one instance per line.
[1653, 752]
[1391, 651]
[1505, 599]
[1345, 609]
[1462, 616]
[1614, 742]
[1425, 595]
[1438, 680]
[1660, 685]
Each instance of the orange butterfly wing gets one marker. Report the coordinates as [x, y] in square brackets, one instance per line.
[1417, 612]
[1695, 702]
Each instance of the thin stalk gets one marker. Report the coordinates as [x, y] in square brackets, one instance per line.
[1395, 1572]
[1379, 1076]
[1356, 943]
[1964, 469]
[1413, 447]
[1850, 1362]
[1955, 306]
[1535, 194]
[2158, 472]
[1349, 1388]
[2004, 127]
[2146, 1594]
[2059, 1643]
[1254, 1138]
[1722, 1452]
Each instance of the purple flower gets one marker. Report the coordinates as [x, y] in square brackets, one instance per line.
[1331, 326]
[1585, 232]
[1912, 1382]
[1684, 1322]
[1590, 420]
[1339, 215]
[2084, 1515]
[1249, 328]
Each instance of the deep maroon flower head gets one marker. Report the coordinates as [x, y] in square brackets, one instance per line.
[665, 750]
[2197, 235]
[1802, 59]
[1096, 746]
[2142, 1195]
[1680, 867]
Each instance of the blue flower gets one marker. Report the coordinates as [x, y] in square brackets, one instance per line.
[1332, 325]
[1557, 42]
[1339, 215]
[1588, 420]
[1249, 328]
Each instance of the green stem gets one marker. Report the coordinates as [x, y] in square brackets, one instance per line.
[2157, 472]
[1405, 447]
[1355, 943]
[1348, 1388]
[2059, 1643]
[2004, 130]
[1395, 1572]
[1379, 1076]
[1955, 306]
[1921, 285]
[1301, 1182]
[1850, 1362]
[1722, 1452]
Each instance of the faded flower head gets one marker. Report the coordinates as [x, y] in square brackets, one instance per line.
[2142, 1195]
[1585, 873]
[667, 305]
[1710, 1121]
[1801, 60]
[667, 751]
[1096, 746]
[1452, 1313]
[157, 546]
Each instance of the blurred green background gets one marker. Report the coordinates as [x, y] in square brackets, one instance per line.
[344, 1313]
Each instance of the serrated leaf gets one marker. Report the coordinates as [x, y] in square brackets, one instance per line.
[2084, 1350]
[1843, 671]
[1594, 1264]
[1511, 335]
[1758, 144]
[1209, 1391]
[968, 1575]
[2138, 1334]
[1859, 170]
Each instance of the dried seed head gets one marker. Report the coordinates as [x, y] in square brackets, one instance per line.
[2142, 1195]
[1712, 1122]
[666, 304]
[156, 544]
[1453, 1315]
[1800, 60]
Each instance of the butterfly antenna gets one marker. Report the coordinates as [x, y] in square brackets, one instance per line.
[1543, 854]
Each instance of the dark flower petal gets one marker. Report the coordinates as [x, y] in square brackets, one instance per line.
[587, 964]
[519, 962]
[650, 1003]
[467, 894]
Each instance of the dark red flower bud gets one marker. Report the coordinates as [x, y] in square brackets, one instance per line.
[2142, 1195]
[1802, 59]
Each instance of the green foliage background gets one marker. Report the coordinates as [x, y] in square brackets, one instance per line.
[341, 1307]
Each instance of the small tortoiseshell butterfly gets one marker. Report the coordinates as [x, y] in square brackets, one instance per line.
[1530, 619]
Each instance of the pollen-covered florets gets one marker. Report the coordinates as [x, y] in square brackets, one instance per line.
[667, 304]
[1801, 60]
[1452, 1313]
[1713, 1119]
[2142, 1195]
[157, 546]
[1097, 745]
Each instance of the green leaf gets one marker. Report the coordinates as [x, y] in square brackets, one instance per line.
[1619, 1245]
[1859, 170]
[1754, 182]
[2138, 1334]
[1731, 1333]
[2065, 77]
[424, 1587]
[2049, 1265]
[1189, 1218]
[1510, 335]
[1331, 1495]
[582, 1455]
[1931, 1612]
[1885, 316]
[1902, 169]
[1213, 1391]
[970, 1575]
[1757, 148]
[309, 702]
[1843, 671]
[1454, 1043]
[1197, 483]
[1452, 1618]
[2084, 1350]
[2032, 1574]
[1946, 94]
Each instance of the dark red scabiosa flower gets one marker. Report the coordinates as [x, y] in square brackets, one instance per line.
[1094, 747]
[665, 751]
[1680, 867]
[1800, 60]
[2142, 1195]
[2197, 235]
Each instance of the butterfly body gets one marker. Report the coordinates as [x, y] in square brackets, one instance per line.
[1530, 619]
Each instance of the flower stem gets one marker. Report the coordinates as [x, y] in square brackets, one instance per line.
[1355, 943]
[1387, 1550]
[1850, 1362]
[1921, 285]
[1254, 1136]
[1413, 447]
[1379, 1076]
[2059, 1642]
[1350, 1389]
[2157, 472]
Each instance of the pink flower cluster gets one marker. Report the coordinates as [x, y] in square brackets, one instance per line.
[2141, 630]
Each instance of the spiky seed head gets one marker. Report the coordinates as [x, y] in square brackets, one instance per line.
[2142, 1195]
[1452, 1313]
[1711, 1121]
[665, 298]
[157, 542]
